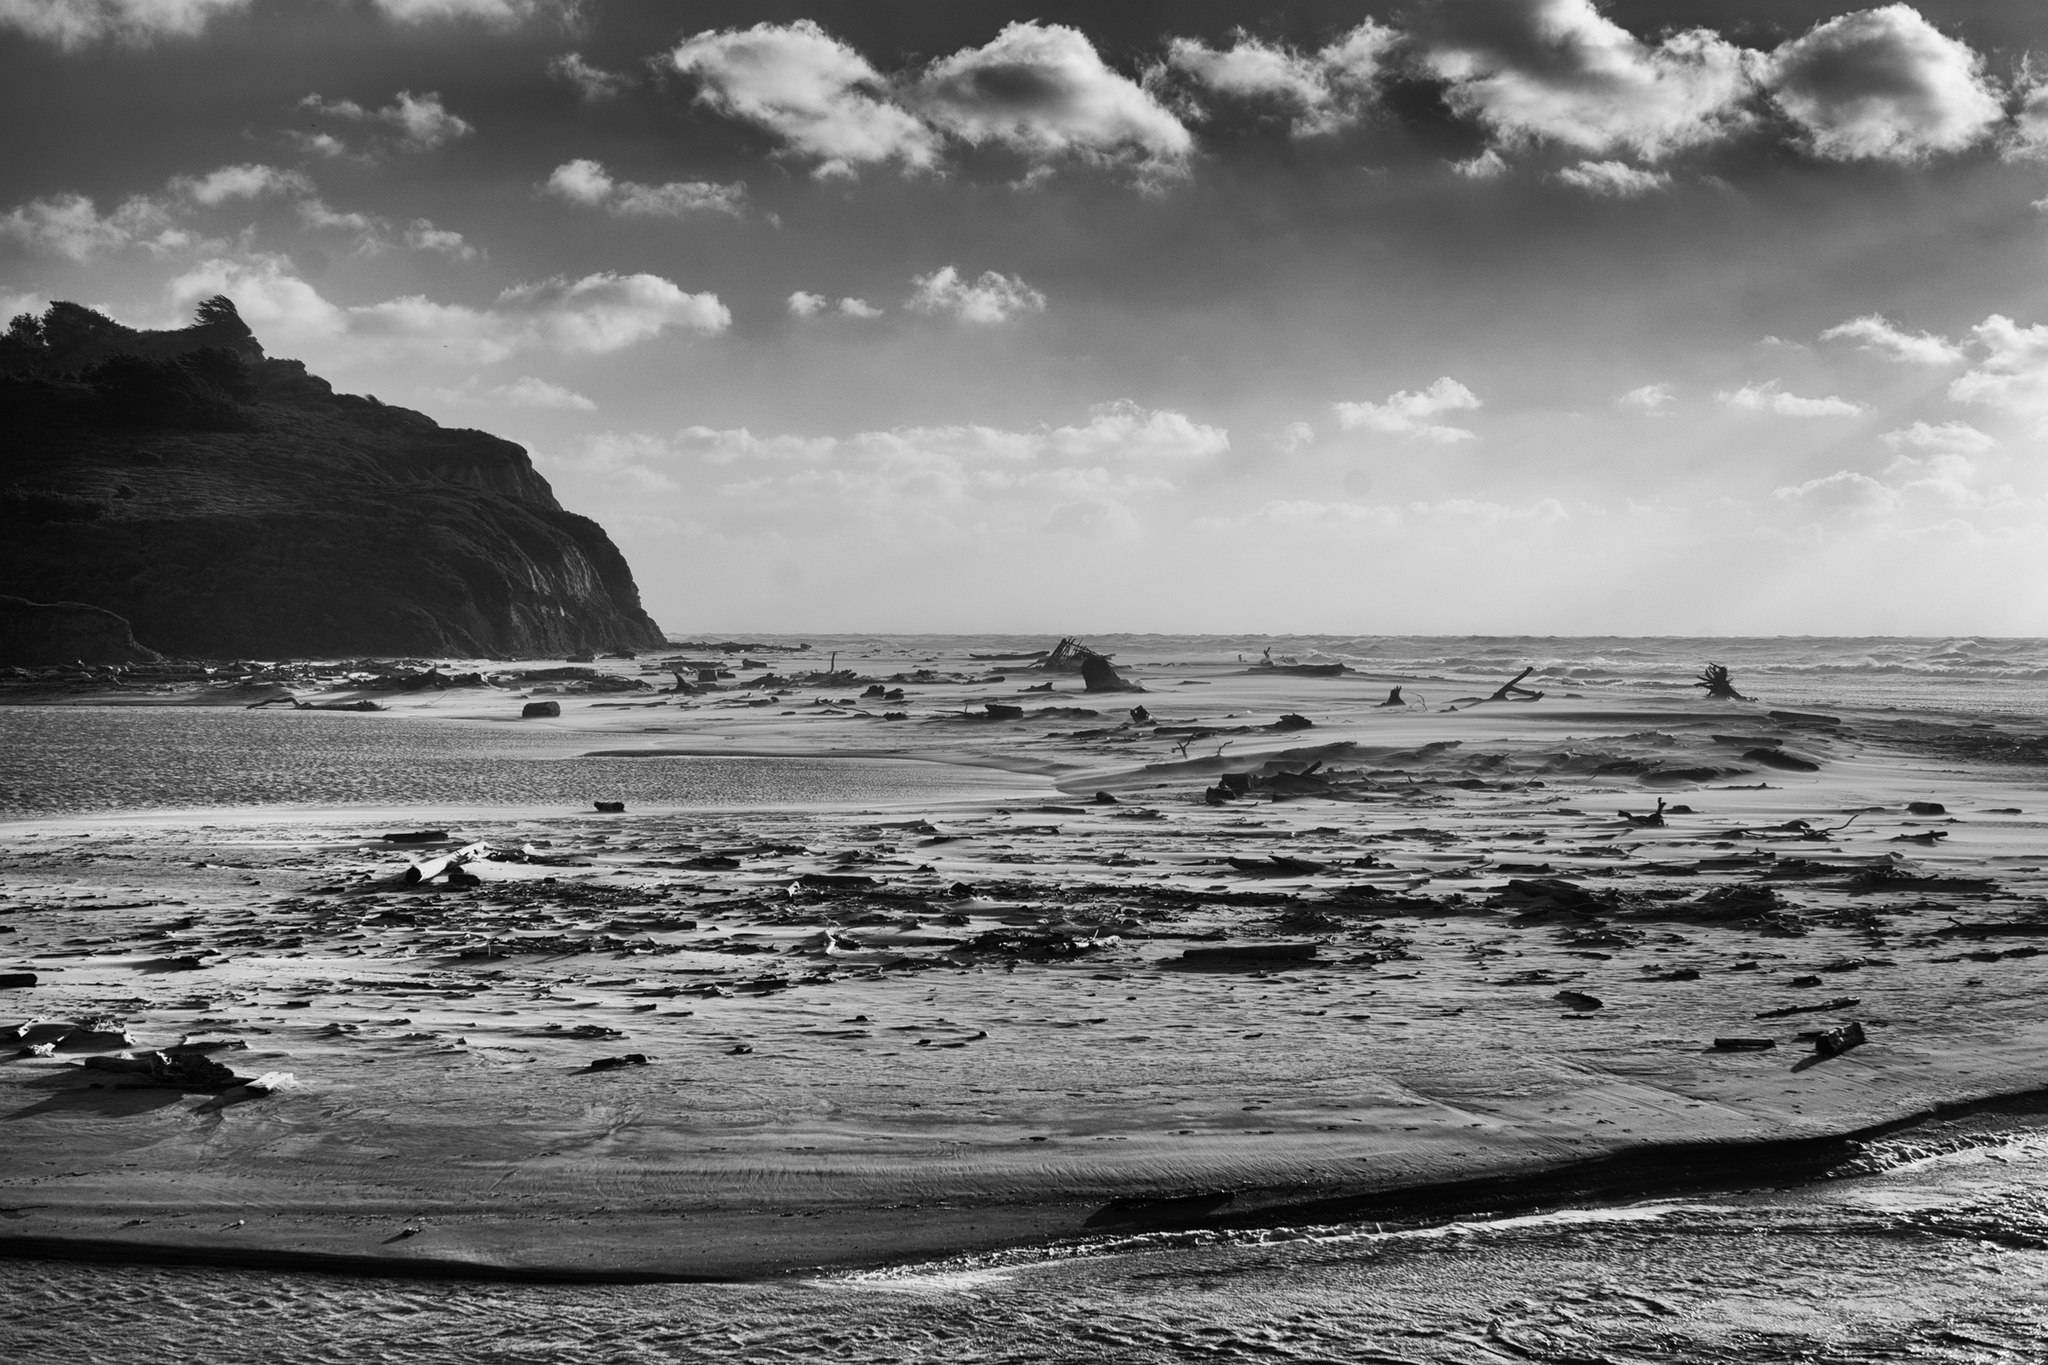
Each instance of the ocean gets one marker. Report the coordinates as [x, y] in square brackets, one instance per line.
[1937, 1251]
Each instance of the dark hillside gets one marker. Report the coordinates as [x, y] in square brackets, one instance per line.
[227, 504]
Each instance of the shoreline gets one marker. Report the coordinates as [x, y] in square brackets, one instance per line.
[1622, 1177]
[885, 1032]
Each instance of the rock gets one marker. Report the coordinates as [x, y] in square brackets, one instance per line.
[610, 807]
[540, 710]
[1579, 1000]
[16, 980]
[1926, 808]
[1099, 675]
[1744, 1044]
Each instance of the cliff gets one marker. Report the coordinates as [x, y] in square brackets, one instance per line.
[230, 505]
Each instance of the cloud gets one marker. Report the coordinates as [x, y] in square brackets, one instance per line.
[953, 484]
[1314, 93]
[1769, 398]
[71, 225]
[317, 144]
[1487, 165]
[1560, 71]
[608, 312]
[1408, 413]
[1873, 332]
[804, 304]
[1883, 84]
[1042, 91]
[586, 182]
[524, 392]
[1293, 438]
[248, 181]
[421, 235]
[808, 89]
[375, 233]
[594, 315]
[1958, 438]
[1613, 179]
[1652, 398]
[421, 123]
[2028, 136]
[1844, 491]
[591, 82]
[993, 298]
[2010, 371]
[496, 13]
[75, 24]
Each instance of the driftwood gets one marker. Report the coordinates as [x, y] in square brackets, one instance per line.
[1512, 689]
[1715, 678]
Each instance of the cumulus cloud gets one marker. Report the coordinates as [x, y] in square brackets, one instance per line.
[592, 83]
[1873, 332]
[75, 24]
[1314, 93]
[584, 181]
[814, 93]
[71, 225]
[416, 123]
[1560, 71]
[804, 304]
[1883, 84]
[1652, 398]
[1613, 179]
[992, 298]
[247, 181]
[608, 312]
[2009, 369]
[597, 314]
[421, 235]
[1958, 438]
[1487, 165]
[1410, 413]
[1768, 397]
[1043, 91]
[524, 392]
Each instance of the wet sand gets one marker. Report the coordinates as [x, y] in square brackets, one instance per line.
[1222, 969]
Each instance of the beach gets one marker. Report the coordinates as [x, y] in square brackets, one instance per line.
[1272, 953]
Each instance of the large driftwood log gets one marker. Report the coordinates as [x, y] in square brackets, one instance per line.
[1715, 678]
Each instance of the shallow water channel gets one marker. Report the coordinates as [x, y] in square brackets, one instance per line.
[1928, 1258]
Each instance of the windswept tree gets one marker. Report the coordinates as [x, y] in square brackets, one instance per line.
[218, 310]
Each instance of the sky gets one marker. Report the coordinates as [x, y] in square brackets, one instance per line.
[1453, 316]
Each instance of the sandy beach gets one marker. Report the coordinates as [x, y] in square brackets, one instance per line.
[1263, 950]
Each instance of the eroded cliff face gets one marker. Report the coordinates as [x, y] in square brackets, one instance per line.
[227, 504]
